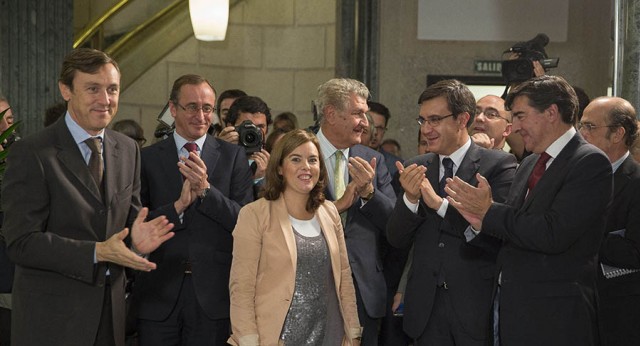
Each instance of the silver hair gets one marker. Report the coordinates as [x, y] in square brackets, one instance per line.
[337, 92]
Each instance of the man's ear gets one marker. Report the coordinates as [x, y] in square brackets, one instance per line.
[329, 113]
[554, 113]
[618, 134]
[463, 119]
[507, 130]
[172, 109]
[65, 91]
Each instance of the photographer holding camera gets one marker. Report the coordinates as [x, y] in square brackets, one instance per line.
[247, 125]
[523, 61]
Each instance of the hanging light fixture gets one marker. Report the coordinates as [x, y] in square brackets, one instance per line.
[209, 19]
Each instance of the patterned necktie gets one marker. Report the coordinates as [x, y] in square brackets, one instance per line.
[538, 170]
[96, 164]
[338, 175]
[447, 163]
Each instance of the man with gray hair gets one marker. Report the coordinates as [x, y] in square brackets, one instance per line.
[610, 124]
[360, 185]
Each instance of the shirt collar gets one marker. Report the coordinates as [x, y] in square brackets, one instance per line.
[458, 155]
[181, 141]
[327, 148]
[78, 133]
[556, 147]
[615, 165]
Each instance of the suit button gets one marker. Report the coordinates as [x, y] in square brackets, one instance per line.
[440, 245]
[101, 212]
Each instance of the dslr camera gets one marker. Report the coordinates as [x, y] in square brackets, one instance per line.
[521, 69]
[249, 136]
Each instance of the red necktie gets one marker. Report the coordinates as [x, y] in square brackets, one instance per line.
[538, 170]
[190, 146]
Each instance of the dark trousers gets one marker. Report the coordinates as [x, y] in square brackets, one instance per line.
[370, 325]
[620, 320]
[186, 325]
[5, 327]
[391, 333]
[105, 335]
[443, 328]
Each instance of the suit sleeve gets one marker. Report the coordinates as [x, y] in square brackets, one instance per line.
[247, 248]
[624, 252]
[378, 208]
[223, 209]
[26, 203]
[347, 289]
[572, 210]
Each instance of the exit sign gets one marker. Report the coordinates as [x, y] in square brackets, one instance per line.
[488, 66]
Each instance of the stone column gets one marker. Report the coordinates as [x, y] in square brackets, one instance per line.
[628, 51]
[35, 37]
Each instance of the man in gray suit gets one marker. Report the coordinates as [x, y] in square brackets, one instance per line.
[360, 185]
[68, 194]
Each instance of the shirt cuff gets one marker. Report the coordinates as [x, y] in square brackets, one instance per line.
[413, 207]
[442, 211]
[470, 233]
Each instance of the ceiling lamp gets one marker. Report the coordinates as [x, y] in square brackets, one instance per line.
[209, 19]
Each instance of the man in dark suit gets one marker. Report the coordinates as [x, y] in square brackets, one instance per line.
[448, 293]
[610, 124]
[551, 224]
[186, 301]
[68, 193]
[360, 186]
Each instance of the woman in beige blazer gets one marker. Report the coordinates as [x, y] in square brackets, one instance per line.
[290, 277]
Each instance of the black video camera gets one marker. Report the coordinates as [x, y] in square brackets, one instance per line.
[521, 69]
[249, 136]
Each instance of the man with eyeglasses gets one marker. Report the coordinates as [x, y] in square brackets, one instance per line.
[380, 115]
[610, 124]
[448, 294]
[551, 225]
[200, 183]
[492, 123]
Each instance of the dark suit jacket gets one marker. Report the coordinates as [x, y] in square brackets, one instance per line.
[551, 240]
[390, 161]
[441, 251]
[364, 234]
[203, 238]
[54, 215]
[621, 252]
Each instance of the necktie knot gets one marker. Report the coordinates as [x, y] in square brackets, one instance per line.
[447, 163]
[538, 170]
[95, 144]
[191, 147]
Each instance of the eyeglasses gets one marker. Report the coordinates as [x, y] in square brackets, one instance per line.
[491, 114]
[433, 120]
[193, 108]
[590, 127]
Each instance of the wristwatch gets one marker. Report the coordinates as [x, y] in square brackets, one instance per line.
[370, 195]
[205, 192]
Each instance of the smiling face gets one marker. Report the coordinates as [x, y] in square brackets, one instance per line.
[450, 134]
[343, 128]
[491, 118]
[193, 125]
[92, 101]
[301, 169]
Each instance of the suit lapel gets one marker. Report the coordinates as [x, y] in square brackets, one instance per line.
[280, 212]
[210, 154]
[622, 176]
[469, 165]
[70, 156]
[433, 171]
[168, 157]
[111, 153]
